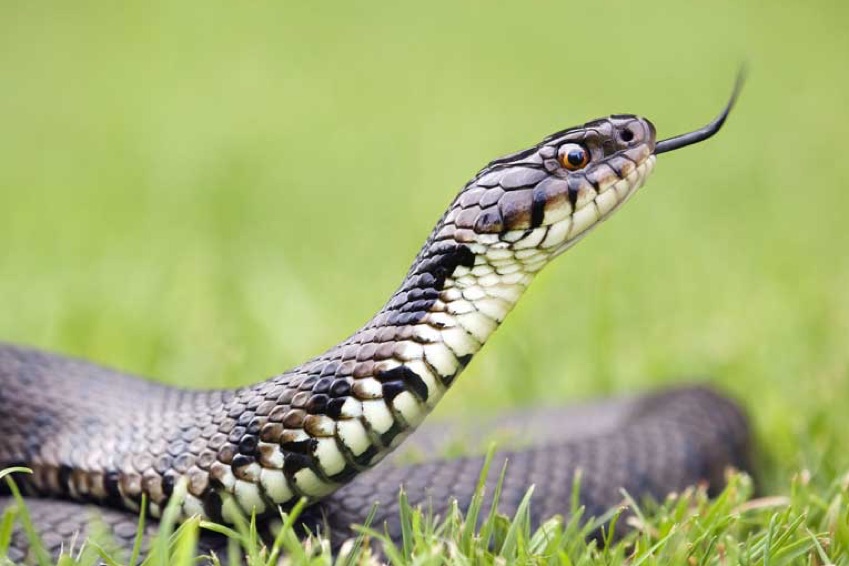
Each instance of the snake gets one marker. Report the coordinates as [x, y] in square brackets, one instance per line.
[97, 438]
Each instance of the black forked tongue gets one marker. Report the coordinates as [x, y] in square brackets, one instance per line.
[707, 131]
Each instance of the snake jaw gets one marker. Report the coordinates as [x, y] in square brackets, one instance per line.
[538, 198]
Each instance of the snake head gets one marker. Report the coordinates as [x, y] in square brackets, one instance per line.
[547, 196]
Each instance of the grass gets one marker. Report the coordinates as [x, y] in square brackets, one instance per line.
[807, 526]
[209, 194]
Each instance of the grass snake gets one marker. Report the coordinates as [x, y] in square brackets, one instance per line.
[320, 431]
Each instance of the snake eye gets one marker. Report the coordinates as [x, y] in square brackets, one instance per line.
[573, 156]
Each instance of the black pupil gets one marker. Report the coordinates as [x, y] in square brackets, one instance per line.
[575, 156]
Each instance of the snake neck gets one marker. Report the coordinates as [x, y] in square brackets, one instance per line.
[322, 423]
[452, 300]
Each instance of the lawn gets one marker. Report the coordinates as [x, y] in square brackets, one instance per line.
[209, 194]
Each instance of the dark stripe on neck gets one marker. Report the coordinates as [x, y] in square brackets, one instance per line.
[538, 207]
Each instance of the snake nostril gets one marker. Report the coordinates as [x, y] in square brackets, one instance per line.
[627, 135]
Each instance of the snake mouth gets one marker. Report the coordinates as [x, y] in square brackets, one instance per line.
[609, 198]
[707, 131]
[612, 192]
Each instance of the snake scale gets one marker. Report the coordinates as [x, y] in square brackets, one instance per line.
[94, 435]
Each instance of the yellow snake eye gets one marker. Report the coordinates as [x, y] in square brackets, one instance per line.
[573, 156]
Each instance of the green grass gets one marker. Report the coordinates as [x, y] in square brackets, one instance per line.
[806, 526]
[210, 193]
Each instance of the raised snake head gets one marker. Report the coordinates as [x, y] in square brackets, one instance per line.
[548, 196]
[545, 198]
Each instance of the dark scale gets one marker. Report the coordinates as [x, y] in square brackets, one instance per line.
[410, 318]
[322, 385]
[449, 260]
[295, 462]
[247, 444]
[255, 425]
[539, 199]
[392, 389]
[241, 460]
[168, 483]
[236, 434]
[574, 189]
[340, 387]
[416, 295]
[211, 500]
[334, 408]
[402, 378]
[317, 404]
[298, 447]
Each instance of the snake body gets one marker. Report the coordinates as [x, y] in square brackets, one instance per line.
[94, 435]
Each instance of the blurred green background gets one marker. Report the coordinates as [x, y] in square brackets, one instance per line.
[209, 193]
